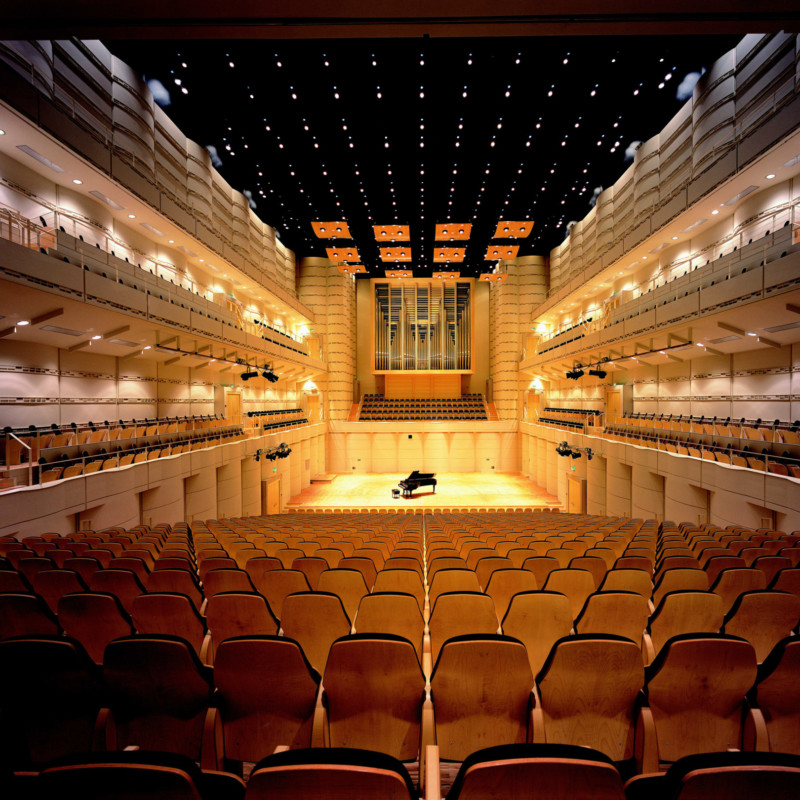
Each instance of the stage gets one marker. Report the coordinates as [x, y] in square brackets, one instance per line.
[455, 491]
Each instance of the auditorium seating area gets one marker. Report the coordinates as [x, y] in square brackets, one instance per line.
[276, 418]
[394, 633]
[376, 407]
[574, 419]
[772, 447]
[79, 449]
[53, 453]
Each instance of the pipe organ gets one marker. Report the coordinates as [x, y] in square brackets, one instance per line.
[422, 324]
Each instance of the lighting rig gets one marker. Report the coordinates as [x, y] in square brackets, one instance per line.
[266, 372]
[271, 454]
[567, 450]
[578, 372]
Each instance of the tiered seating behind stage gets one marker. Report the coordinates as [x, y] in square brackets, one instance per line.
[375, 407]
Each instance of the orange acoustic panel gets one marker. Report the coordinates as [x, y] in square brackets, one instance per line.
[331, 230]
[399, 273]
[395, 254]
[446, 276]
[453, 231]
[442, 254]
[513, 230]
[494, 277]
[501, 251]
[389, 233]
[343, 253]
[351, 269]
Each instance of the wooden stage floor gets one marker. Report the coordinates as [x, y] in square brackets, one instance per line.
[455, 491]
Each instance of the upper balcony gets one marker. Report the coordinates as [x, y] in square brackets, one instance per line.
[161, 316]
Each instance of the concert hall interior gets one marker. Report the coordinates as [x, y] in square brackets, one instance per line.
[312, 294]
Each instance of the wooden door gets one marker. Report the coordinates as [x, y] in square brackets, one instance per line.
[233, 408]
[613, 405]
[271, 495]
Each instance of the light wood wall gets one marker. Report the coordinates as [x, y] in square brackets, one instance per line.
[511, 306]
[44, 385]
[424, 385]
[363, 447]
[332, 297]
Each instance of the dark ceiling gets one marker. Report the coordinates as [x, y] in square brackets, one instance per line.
[419, 132]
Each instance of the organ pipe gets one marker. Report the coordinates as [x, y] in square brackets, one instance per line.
[422, 325]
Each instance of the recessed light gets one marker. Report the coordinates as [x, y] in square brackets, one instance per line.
[96, 337]
[750, 333]
[147, 347]
[715, 211]
[24, 322]
[77, 182]
[2, 133]
[131, 216]
[107, 200]
[40, 158]
[770, 176]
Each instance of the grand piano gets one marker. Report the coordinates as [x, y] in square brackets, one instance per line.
[417, 479]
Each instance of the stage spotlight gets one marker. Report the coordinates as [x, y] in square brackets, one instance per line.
[578, 373]
[283, 451]
[597, 373]
[247, 375]
[589, 454]
[576, 453]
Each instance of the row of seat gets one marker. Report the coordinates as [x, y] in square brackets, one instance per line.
[42, 440]
[767, 461]
[464, 534]
[583, 416]
[555, 772]
[615, 601]
[64, 467]
[777, 431]
[704, 693]
[378, 407]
